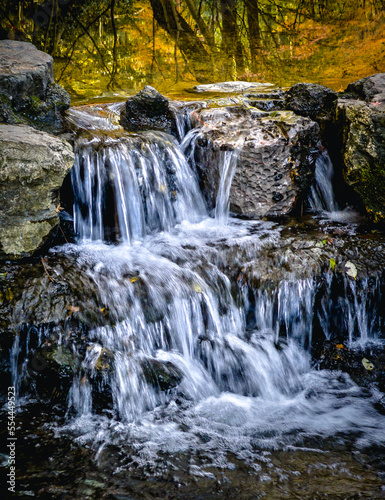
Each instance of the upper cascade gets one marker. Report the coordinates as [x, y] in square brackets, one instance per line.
[129, 185]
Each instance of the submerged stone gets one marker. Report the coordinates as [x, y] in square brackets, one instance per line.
[163, 375]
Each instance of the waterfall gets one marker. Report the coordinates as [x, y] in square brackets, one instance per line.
[228, 165]
[321, 195]
[188, 357]
[144, 179]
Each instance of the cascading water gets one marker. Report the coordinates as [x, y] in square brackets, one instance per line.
[196, 363]
[222, 206]
[152, 186]
[322, 193]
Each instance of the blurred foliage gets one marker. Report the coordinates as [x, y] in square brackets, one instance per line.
[109, 47]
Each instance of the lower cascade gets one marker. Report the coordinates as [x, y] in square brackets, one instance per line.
[196, 342]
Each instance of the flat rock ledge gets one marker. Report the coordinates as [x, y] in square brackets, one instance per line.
[33, 165]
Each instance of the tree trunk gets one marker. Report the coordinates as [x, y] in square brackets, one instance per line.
[193, 49]
[231, 43]
[252, 9]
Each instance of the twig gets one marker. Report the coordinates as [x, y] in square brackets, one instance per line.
[45, 269]
[62, 232]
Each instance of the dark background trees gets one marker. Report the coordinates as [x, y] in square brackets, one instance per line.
[202, 40]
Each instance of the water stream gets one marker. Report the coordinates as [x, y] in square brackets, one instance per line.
[196, 366]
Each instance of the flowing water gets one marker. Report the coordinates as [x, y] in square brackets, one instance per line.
[197, 366]
[322, 196]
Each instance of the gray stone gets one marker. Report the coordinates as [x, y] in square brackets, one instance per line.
[370, 89]
[28, 93]
[276, 158]
[33, 165]
[24, 70]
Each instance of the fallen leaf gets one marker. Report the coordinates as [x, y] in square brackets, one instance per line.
[197, 288]
[134, 278]
[351, 270]
[73, 309]
[332, 264]
[367, 364]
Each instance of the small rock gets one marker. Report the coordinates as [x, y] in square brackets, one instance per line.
[148, 110]
[312, 100]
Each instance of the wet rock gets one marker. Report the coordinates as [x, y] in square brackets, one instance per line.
[33, 165]
[291, 259]
[266, 104]
[312, 100]
[361, 128]
[304, 252]
[363, 153]
[163, 375]
[366, 366]
[148, 110]
[275, 163]
[28, 93]
[51, 369]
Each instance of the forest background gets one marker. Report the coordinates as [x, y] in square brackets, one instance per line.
[111, 48]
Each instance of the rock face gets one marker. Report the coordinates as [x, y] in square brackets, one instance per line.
[148, 110]
[28, 93]
[275, 162]
[361, 126]
[33, 165]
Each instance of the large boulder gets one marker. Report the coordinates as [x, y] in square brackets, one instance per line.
[361, 126]
[275, 160]
[28, 93]
[33, 165]
[148, 110]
